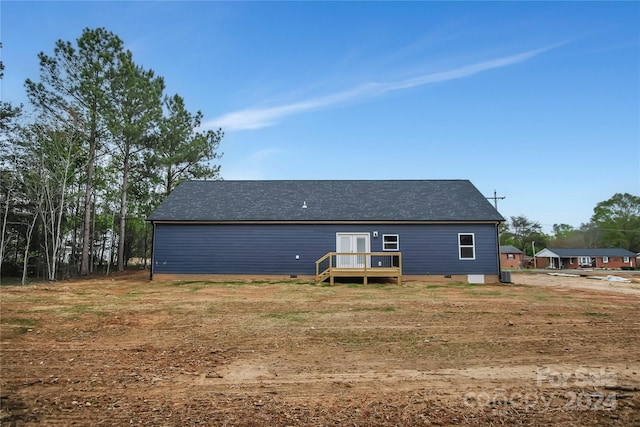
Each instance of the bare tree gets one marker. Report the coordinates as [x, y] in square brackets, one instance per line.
[73, 85]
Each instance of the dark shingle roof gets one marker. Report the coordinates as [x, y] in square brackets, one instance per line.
[508, 249]
[326, 200]
[591, 252]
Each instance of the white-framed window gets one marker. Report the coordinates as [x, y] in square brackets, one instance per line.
[625, 259]
[390, 242]
[605, 259]
[466, 246]
[511, 256]
[584, 260]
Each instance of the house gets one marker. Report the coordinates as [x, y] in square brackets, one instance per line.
[605, 258]
[327, 228]
[511, 257]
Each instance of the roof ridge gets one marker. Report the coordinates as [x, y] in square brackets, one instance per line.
[328, 180]
[327, 200]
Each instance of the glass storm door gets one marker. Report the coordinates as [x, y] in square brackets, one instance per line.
[352, 243]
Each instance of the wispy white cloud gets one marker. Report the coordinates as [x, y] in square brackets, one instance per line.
[251, 167]
[259, 117]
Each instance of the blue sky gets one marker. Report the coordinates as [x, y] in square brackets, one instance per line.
[539, 101]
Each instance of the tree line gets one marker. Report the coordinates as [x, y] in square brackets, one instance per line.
[615, 223]
[101, 145]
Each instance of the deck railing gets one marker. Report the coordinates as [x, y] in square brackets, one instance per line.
[359, 264]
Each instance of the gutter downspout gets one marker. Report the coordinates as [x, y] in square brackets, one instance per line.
[153, 252]
[498, 251]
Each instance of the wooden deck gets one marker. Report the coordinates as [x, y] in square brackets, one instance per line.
[359, 264]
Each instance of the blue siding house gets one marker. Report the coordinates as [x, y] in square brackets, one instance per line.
[439, 227]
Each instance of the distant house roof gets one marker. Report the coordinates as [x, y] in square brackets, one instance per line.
[508, 249]
[330, 200]
[590, 252]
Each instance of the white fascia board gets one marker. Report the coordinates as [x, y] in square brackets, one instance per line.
[546, 253]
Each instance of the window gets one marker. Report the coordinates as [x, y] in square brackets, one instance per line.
[625, 259]
[511, 256]
[466, 246]
[390, 242]
[584, 260]
[605, 259]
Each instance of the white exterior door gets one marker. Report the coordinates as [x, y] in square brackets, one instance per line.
[352, 243]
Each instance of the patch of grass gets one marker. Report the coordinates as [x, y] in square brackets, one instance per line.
[450, 285]
[18, 326]
[486, 293]
[369, 287]
[595, 314]
[187, 282]
[386, 308]
[462, 285]
[18, 321]
[176, 309]
[20, 331]
[247, 282]
[354, 285]
[74, 310]
[301, 282]
[81, 308]
[134, 294]
[196, 285]
[212, 308]
[539, 296]
[293, 316]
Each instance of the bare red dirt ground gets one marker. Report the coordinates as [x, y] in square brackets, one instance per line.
[124, 350]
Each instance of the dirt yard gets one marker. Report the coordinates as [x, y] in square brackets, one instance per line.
[126, 351]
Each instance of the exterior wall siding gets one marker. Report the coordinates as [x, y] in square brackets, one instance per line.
[272, 248]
